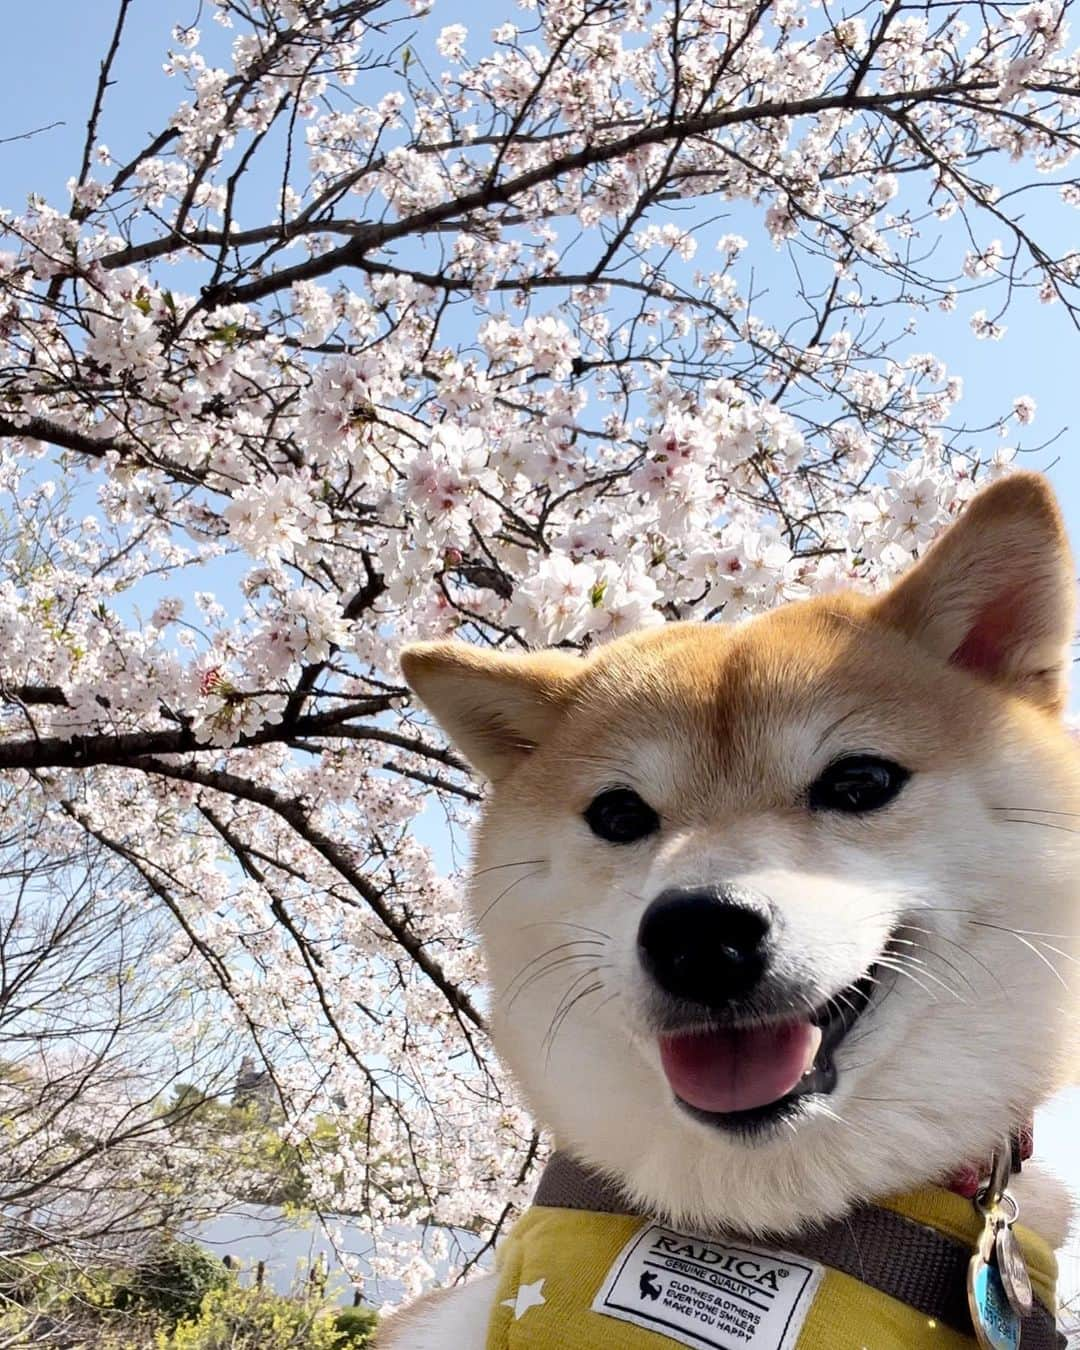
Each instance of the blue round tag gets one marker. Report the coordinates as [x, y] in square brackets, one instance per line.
[996, 1325]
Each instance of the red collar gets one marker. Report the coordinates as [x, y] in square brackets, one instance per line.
[967, 1180]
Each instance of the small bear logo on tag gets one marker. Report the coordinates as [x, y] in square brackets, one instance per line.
[649, 1287]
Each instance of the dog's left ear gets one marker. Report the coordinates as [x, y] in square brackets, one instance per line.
[996, 594]
[496, 707]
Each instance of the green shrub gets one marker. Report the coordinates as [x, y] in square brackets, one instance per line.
[356, 1327]
[173, 1281]
[234, 1318]
[181, 1298]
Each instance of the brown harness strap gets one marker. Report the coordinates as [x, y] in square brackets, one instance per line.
[908, 1261]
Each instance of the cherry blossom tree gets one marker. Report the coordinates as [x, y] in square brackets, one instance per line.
[102, 1154]
[406, 326]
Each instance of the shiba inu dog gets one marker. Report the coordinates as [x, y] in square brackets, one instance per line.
[777, 915]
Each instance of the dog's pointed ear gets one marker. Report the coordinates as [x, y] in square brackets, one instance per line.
[495, 707]
[996, 594]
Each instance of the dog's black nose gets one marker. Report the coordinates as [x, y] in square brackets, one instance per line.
[707, 946]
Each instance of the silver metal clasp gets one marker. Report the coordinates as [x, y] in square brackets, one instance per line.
[1000, 1172]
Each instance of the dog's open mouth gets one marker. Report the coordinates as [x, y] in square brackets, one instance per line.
[743, 1077]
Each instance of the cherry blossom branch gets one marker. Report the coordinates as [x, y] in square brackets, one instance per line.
[374, 236]
[84, 751]
[104, 80]
[294, 814]
[29, 135]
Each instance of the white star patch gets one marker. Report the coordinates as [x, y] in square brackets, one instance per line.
[528, 1296]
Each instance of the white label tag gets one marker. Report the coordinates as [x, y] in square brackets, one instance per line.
[708, 1294]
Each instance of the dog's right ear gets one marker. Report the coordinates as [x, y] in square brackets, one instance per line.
[494, 706]
[995, 595]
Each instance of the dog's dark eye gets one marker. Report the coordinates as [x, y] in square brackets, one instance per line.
[620, 816]
[857, 783]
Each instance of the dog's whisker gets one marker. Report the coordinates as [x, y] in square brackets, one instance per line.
[901, 969]
[911, 959]
[559, 946]
[944, 937]
[1039, 810]
[1027, 932]
[1058, 952]
[923, 947]
[1043, 958]
[604, 1002]
[884, 1101]
[563, 923]
[810, 1006]
[1043, 824]
[833, 1002]
[547, 970]
[567, 994]
[566, 1006]
[527, 877]
[498, 867]
[587, 955]
[592, 989]
[568, 1009]
[923, 968]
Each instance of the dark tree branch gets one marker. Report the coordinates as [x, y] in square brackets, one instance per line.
[337, 855]
[378, 235]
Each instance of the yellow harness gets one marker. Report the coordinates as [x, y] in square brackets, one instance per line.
[572, 1279]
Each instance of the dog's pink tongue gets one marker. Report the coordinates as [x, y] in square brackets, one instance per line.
[725, 1071]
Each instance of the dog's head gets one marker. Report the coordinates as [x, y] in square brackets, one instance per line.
[781, 915]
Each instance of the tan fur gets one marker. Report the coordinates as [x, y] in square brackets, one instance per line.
[957, 674]
[1010, 559]
[498, 705]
